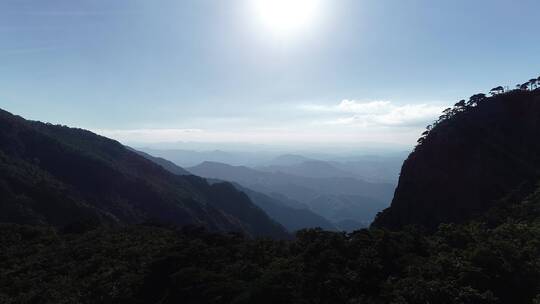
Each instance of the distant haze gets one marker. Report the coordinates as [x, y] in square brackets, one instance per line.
[191, 154]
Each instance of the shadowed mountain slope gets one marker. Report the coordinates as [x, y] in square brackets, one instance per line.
[477, 154]
[51, 174]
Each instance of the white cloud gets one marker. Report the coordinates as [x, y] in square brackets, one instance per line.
[372, 107]
[378, 113]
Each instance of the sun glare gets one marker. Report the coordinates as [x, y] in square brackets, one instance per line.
[287, 17]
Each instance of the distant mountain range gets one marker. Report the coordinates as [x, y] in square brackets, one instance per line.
[335, 198]
[379, 169]
[343, 189]
[293, 215]
[309, 168]
[189, 158]
[382, 168]
[55, 175]
[288, 160]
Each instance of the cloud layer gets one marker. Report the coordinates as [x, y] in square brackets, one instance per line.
[348, 122]
[378, 113]
[298, 135]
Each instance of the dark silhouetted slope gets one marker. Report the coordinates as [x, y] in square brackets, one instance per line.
[56, 175]
[477, 154]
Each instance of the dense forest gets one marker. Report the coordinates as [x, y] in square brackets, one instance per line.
[491, 260]
[475, 241]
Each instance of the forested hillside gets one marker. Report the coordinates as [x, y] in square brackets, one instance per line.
[477, 154]
[60, 176]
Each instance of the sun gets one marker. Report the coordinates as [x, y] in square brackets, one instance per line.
[287, 17]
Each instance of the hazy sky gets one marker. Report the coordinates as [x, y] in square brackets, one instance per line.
[350, 71]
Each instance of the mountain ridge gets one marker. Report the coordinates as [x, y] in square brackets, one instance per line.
[52, 174]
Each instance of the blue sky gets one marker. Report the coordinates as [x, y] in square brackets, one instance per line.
[209, 71]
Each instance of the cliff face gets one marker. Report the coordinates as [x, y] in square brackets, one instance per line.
[478, 155]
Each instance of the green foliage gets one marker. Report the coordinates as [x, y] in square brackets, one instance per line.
[467, 263]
